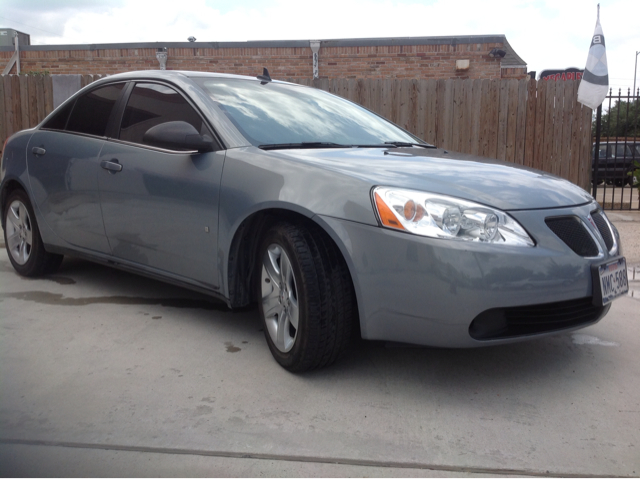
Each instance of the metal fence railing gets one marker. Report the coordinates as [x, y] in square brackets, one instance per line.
[616, 139]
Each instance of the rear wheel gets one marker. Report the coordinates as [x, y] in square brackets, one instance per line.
[22, 238]
[306, 299]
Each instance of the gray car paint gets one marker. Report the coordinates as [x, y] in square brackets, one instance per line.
[64, 185]
[490, 182]
[409, 288]
[427, 291]
[184, 188]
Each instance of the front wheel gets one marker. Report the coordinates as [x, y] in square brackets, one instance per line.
[22, 238]
[306, 299]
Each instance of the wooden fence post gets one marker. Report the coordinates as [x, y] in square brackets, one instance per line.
[3, 119]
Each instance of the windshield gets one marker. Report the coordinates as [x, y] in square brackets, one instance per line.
[276, 113]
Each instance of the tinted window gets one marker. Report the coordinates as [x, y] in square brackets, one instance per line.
[279, 113]
[151, 104]
[622, 151]
[91, 112]
[59, 120]
[615, 151]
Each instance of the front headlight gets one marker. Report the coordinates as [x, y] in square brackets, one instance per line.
[446, 217]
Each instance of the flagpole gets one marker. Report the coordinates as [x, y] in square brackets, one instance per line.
[634, 75]
[596, 153]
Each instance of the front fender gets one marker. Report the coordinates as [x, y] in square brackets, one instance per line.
[254, 181]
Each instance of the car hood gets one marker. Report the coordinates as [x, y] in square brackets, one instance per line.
[491, 182]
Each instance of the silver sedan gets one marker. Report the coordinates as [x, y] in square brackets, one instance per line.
[333, 220]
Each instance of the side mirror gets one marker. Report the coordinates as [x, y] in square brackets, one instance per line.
[177, 135]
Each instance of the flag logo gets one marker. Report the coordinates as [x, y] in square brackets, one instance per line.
[595, 80]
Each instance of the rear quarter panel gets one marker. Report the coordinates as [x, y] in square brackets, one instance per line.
[14, 165]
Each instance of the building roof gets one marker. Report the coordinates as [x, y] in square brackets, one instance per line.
[510, 60]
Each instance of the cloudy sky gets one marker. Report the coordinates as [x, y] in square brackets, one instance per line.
[545, 33]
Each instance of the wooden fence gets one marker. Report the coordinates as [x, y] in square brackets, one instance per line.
[537, 124]
[25, 100]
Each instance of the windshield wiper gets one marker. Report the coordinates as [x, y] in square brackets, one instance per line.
[327, 144]
[302, 145]
[404, 143]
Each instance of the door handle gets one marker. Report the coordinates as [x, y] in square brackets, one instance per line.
[36, 150]
[112, 165]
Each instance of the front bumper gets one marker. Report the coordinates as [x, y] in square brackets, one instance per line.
[428, 291]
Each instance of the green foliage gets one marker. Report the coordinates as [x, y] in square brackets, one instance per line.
[635, 174]
[35, 73]
[622, 120]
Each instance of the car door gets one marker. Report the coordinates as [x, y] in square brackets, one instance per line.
[63, 158]
[160, 207]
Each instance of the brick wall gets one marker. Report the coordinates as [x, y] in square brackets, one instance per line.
[360, 61]
[517, 73]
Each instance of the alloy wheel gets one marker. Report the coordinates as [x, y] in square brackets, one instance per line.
[19, 232]
[279, 298]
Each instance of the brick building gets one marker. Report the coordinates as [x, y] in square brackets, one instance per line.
[471, 56]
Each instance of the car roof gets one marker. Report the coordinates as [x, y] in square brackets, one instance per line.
[179, 74]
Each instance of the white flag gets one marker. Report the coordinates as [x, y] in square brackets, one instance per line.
[595, 80]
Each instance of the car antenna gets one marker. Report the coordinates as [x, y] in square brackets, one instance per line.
[264, 77]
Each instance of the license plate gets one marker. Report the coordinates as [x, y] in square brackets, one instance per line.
[610, 281]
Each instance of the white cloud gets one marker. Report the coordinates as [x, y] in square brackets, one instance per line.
[546, 34]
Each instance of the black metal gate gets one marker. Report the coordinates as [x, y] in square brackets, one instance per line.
[615, 154]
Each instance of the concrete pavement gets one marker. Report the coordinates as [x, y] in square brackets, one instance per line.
[103, 373]
[628, 224]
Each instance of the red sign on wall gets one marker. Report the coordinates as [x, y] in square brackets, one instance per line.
[568, 74]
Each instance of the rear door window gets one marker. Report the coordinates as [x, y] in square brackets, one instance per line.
[92, 111]
[59, 120]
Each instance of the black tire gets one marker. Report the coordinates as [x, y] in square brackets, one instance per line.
[20, 225]
[321, 288]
